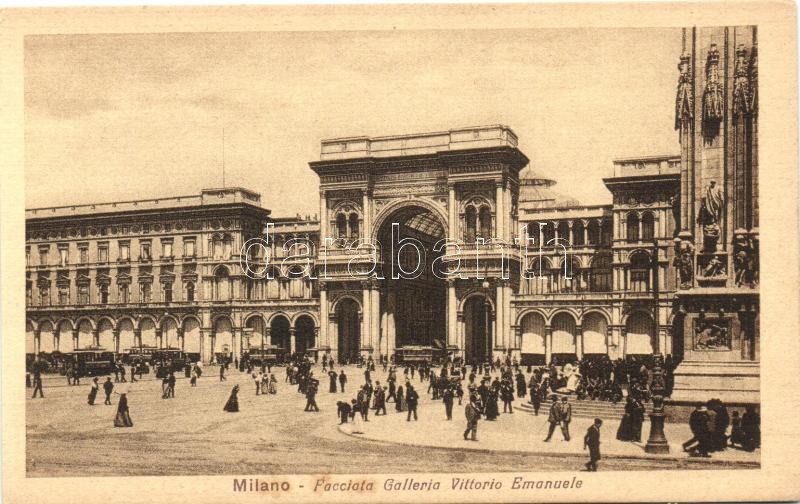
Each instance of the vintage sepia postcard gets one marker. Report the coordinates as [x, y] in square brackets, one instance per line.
[400, 253]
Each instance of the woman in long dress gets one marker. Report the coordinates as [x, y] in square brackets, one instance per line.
[401, 399]
[232, 406]
[625, 430]
[123, 418]
[273, 384]
[93, 391]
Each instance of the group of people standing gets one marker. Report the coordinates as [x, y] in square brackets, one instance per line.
[709, 424]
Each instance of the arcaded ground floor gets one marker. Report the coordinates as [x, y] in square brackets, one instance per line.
[192, 435]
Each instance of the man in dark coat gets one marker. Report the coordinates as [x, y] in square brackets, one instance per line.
[592, 441]
[447, 399]
[698, 423]
[342, 380]
[411, 399]
[37, 384]
[565, 413]
[311, 395]
[536, 397]
[108, 387]
[751, 428]
[392, 388]
[343, 409]
[554, 419]
[380, 399]
[473, 414]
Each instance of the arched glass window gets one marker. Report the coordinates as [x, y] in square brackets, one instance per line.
[632, 227]
[648, 226]
[341, 226]
[486, 223]
[353, 226]
[549, 233]
[470, 225]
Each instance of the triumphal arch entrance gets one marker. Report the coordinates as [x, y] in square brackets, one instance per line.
[419, 252]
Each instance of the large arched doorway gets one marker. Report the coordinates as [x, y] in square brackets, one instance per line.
[349, 330]
[304, 334]
[279, 331]
[639, 334]
[46, 337]
[127, 336]
[85, 336]
[256, 327]
[105, 334]
[169, 333]
[223, 340]
[147, 331]
[564, 339]
[191, 338]
[478, 330]
[533, 345]
[595, 329]
[415, 296]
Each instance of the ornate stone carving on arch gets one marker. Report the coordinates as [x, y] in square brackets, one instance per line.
[410, 201]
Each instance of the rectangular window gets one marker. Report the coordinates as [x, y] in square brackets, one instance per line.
[167, 293]
[63, 296]
[144, 253]
[63, 255]
[83, 295]
[43, 259]
[27, 256]
[44, 296]
[104, 294]
[146, 291]
[166, 248]
[124, 294]
[102, 252]
[83, 252]
[28, 293]
[188, 247]
[124, 251]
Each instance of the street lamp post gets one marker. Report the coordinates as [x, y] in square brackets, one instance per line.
[657, 441]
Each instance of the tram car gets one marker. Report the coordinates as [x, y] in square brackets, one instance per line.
[414, 354]
[269, 354]
[170, 360]
[91, 361]
[139, 357]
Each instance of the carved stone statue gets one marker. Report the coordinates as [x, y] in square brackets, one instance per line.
[684, 99]
[711, 214]
[745, 261]
[684, 262]
[714, 268]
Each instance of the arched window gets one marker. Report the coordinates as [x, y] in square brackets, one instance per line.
[632, 227]
[341, 226]
[639, 272]
[607, 233]
[222, 284]
[594, 232]
[548, 234]
[533, 233]
[470, 225]
[577, 233]
[600, 278]
[563, 233]
[538, 277]
[648, 226]
[485, 216]
[353, 226]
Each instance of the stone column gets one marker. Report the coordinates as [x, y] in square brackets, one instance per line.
[499, 333]
[160, 338]
[391, 333]
[579, 341]
[323, 314]
[137, 337]
[317, 343]
[375, 316]
[461, 343]
[95, 337]
[452, 309]
[548, 343]
[366, 310]
[586, 233]
[333, 336]
[292, 339]
[116, 348]
[268, 336]
[323, 218]
[365, 210]
[499, 211]
[452, 214]
[179, 335]
[507, 333]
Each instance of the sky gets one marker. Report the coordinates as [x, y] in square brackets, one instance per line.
[131, 116]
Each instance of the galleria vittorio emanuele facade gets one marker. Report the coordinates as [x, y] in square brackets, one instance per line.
[508, 266]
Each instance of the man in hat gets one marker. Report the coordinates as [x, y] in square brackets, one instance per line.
[554, 419]
[565, 409]
[473, 413]
[592, 441]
